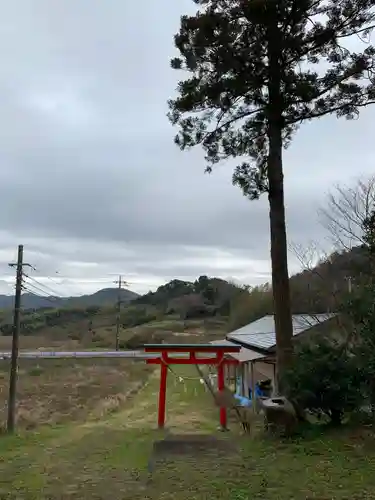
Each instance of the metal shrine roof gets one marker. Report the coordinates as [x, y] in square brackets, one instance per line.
[260, 334]
[244, 355]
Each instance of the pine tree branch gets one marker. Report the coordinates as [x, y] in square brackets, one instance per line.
[219, 128]
[356, 32]
[337, 82]
[331, 110]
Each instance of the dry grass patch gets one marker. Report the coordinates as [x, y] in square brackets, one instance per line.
[58, 391]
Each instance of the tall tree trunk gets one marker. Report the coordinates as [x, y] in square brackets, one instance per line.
[279, 257]
[279, 251]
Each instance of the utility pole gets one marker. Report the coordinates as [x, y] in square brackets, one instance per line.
[349, 284]
[19, 265]
[120, 283]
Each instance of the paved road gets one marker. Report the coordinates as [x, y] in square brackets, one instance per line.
[78, 354]
[139, 354]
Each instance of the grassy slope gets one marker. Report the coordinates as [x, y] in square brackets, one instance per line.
[108, 459]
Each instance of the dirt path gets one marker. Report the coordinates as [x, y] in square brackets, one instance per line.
[101, 459]
[108, 459]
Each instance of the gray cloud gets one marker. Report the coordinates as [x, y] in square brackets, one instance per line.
[91, 181]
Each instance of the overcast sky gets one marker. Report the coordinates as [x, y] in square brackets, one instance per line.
[91, 182]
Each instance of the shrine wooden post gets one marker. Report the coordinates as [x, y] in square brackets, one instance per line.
[189, 355]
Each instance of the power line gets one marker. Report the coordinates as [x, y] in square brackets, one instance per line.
[48, 298]
[38, 288]
[48, 277]
[71, 281]
[68, 278]
[42, 285]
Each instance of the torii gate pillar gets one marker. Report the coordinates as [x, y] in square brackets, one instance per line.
[188, 356]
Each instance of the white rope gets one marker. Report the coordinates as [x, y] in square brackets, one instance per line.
[181, 379]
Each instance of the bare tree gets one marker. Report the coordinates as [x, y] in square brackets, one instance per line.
[311, 258]
[308, 256]
[345, 211]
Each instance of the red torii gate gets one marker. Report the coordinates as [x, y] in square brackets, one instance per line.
[163, 359]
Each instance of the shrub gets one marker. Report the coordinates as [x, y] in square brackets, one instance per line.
[325, 379]
[138, 340]
[360, 308]
[35, 371]
[123, 344]
[136, 316]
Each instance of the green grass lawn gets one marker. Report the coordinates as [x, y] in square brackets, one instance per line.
[108, 459]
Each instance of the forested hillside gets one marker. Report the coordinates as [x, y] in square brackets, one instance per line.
[182, 300]
[206, 296]
[314, 290]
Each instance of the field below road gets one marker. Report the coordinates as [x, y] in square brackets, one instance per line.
[56, 391]
[107, 457]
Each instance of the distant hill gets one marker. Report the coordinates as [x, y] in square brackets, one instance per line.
[312, 291]
[81, 317]
[209, 295]
[205, 296]
[106, 296]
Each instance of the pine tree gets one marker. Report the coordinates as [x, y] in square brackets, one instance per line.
[256, 70]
